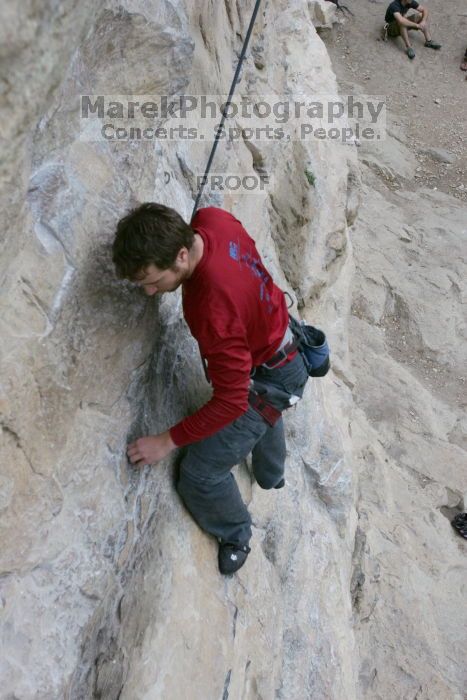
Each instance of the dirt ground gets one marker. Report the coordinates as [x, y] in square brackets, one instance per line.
[426, 97]
[407, 340]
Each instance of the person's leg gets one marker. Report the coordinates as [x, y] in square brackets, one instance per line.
[464, 61]
[405, 36]
[207, 486]
[393, 29]
[268, 456]
[426, 32]
[414, 17]
[277, 386]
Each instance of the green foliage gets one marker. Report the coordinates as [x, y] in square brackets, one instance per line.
[310, 177]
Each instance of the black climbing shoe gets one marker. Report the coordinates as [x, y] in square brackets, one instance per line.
[410, 53]
[232, 557]
[280, 485]
[460, 524]
[432, 45]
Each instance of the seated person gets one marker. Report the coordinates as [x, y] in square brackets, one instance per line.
[397, 24]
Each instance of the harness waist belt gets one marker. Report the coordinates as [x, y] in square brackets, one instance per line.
[288, 344]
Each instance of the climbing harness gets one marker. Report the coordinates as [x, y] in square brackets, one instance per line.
[227, 105]
[270, 414]
[283, 352]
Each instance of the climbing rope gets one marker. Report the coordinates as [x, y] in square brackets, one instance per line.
[227, 105]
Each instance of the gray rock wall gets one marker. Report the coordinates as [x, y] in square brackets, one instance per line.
[355, 584]
[108, 588]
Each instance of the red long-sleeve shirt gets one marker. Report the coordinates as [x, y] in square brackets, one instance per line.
[237, 315]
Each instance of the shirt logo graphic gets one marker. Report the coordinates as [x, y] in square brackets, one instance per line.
[233, 250]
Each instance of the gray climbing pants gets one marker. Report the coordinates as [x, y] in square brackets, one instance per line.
[206, 483]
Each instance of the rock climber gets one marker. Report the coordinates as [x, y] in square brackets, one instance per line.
[397, 24]
[240, 319]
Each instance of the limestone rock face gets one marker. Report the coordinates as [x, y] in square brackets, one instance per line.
[322, 13]
[409, 440]
[108, 589]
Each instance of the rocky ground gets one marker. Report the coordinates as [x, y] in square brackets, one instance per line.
[425, 97]
[407, 342]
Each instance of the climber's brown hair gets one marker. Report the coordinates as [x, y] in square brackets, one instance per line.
[149, 234]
